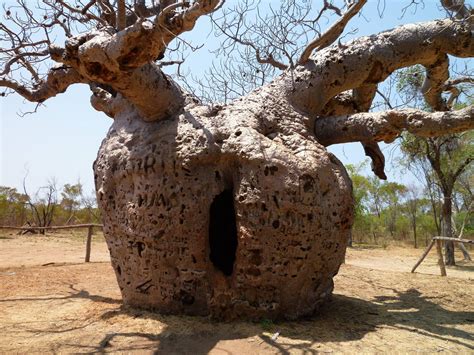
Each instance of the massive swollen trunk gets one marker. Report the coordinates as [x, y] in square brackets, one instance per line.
[239, 211]
[233, 212]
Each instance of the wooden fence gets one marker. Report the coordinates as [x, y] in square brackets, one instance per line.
[90, 230]
[439, 251]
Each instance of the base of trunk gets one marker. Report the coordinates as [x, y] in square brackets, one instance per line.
[449, 254]
[207, 216]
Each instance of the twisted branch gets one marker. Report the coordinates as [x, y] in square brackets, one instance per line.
[387, 125]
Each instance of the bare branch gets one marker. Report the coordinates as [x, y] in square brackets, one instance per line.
[373, 151]
[268, 60]
[373, 59]
[108, 12]
[450, 85]
[146, 42]
[121, 15]
[462, 166]
[83, 11]
[88, 6]
[457, 81]
[456, 7]
[388, 125]
[333, 33]
[57, 81]
[433, 86]
[19, 57]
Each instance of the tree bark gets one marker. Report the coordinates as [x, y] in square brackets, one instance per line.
[447, 211]
[386, 126]
[414, 234]
[168, 162]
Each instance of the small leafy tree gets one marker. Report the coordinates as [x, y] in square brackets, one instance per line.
[71, 199]
[413, 209]
[12, 206]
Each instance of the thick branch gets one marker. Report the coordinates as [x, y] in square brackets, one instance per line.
[450, 85]
[348, 102]
[388, 125]
[457, 81]
[154, 95]
[333, 33]
[121, 15]
[369, 60]
[56, 82]
[363, 97]
[146, 41]
[101, 59]
[433, 86]
[103, 101]
[373, 151]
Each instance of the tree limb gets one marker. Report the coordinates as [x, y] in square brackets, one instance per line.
[363, 97]
[388, 125]
[56, 82]
[121, 15]
[84, 12]
[333, 33]
[372, 59]
[462, 166]
[103, 101]
[145, 41]
[456, 7]
[450, 85]
[433, 86]
[373, 151]
[457, 81]
[268, 60]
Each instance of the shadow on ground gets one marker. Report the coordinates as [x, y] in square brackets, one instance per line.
[344, 319]
[462, 265]
[74, 293]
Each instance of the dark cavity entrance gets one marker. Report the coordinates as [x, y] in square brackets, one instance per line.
[223, 232]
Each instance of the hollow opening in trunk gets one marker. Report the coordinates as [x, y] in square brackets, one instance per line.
[223, 232]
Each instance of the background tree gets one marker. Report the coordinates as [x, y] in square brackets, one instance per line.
[48, 206]
[443, 159]
[12, 206]
[360, 186]
[413, 209]
[43, 204]
[71, 200]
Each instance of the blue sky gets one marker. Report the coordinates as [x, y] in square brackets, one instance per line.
[62, 138]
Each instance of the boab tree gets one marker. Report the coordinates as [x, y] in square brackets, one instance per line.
[233, 210]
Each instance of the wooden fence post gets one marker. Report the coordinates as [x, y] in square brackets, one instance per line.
[427, 250]
[88, 244]
[440, 258]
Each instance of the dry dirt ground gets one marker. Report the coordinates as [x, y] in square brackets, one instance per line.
[50, 301]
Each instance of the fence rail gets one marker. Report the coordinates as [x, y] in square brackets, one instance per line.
[72, 226]
[90, 230]
[439, 251]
